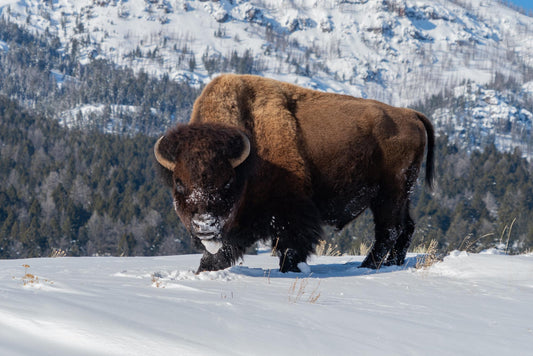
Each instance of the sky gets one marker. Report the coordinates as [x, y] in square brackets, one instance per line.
[526, 4]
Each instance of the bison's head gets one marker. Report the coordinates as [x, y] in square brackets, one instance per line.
[205, 163]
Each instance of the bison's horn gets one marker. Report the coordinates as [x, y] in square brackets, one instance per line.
[245, 152]
[163, 161]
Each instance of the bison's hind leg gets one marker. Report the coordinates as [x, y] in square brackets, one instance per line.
[393, 230]
[399, 251]
[393, 223]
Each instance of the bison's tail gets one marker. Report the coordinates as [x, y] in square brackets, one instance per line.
[430, 159]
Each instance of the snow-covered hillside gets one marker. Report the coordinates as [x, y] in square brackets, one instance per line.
[398, 51]
[469, 304]
[477, 116]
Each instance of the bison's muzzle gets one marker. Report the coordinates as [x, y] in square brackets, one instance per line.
[205, 226]
[209, 230]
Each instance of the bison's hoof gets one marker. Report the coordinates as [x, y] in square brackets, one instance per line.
[370, 264]
[291, 261]
[285, 269]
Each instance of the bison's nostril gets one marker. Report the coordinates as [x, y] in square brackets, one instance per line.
[207, 218]
[205, 226]
[203, 221]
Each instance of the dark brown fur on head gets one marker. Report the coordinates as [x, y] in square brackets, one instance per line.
[207, 183]
[199, 145]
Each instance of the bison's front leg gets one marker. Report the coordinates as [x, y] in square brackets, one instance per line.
[224, 258]
[295, 234]
[289, 260]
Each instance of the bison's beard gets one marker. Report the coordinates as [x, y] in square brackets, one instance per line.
[212, 246]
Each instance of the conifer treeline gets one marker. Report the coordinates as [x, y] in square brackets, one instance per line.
[83, 192]
[38, 74]
[92, 193]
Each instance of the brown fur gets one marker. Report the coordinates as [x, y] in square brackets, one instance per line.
[329, 156]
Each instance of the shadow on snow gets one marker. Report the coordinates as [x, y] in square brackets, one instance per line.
[349, 269]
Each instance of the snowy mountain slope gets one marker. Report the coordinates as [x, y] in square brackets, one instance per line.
[467, 305]
[477, 116]
[398, 51]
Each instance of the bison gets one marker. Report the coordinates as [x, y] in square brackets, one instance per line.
[267, 160]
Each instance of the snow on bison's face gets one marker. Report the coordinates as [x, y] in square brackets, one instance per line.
[208, 186]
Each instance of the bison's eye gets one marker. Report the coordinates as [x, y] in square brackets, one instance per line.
[180, 188]
[228, 184]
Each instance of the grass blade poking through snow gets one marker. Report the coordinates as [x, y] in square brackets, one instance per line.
[298, 289]
[428, 257]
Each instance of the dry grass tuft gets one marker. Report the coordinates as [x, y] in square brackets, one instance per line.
[275, 248]
[30, 279]
[297, 290]
[57, 252]
[509, 229]
[428, 255]
[325, 249]
[364, 248]
[157, 282]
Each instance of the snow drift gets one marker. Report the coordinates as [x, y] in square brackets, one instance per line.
[467, 304]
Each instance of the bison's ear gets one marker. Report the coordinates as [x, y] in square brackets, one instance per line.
[163, 152]
[240, 149]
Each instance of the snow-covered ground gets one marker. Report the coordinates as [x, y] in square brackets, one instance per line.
[469, 304]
